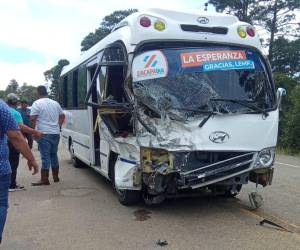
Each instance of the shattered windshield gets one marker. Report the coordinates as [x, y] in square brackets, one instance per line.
[187, 82]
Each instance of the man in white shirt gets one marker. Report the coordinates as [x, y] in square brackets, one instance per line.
[47, 116]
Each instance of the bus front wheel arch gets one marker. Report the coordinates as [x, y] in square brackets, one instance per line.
[125, 196]
[74, 160]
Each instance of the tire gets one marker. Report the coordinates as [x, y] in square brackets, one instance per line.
[128, 197]
[74, 160]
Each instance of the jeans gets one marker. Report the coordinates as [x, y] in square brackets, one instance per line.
[14, 158]
[48, 145]
[4, 185]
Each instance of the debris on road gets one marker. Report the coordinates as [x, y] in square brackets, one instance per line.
[162, 243]
[256, 200]
[265, 221]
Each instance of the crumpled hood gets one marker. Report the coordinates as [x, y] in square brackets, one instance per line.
[243, 132]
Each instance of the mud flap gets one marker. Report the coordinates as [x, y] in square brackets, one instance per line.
[127, 175]
[262, 176]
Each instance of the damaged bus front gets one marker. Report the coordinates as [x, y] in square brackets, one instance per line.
[208, 119]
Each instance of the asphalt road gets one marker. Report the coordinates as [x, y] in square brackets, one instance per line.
[82, 212]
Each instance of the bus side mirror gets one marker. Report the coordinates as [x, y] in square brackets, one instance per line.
[280, 93]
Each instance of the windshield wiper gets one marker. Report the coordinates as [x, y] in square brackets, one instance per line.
[242, 103]
[209, 113]
[206, 119]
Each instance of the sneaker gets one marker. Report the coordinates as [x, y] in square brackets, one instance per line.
[16, 188]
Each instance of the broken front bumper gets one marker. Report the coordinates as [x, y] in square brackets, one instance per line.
[165, 171]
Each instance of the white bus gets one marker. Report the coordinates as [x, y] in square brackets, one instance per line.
[171, 103]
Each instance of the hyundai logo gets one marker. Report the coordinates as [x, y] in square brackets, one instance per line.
[202, 20]
[219, 137]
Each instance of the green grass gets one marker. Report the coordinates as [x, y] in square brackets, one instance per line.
[287, 151]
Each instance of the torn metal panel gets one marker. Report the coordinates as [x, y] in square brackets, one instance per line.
[179, 136]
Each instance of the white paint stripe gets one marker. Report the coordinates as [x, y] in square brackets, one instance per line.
[285, 164]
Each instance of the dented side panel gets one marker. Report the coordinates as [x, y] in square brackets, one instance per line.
[127, 175]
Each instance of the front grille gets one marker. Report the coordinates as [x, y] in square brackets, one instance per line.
[218, 165]
[196, 28]
[188, 161]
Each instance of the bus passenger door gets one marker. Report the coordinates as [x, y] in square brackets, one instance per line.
[113, 105]
[95, 135]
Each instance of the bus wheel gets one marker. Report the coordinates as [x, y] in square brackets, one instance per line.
[233, 191]
[128, 197]
[74, 160]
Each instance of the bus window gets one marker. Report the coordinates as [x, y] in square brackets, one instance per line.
[114, 84]
[69, 91]
[113, 54]
[82, 86]
[74, 89]
[65, 92]
[113, 75]
[102, 82]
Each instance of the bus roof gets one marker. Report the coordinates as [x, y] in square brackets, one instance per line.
[194, 26]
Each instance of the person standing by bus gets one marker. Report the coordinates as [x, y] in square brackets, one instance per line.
[25, 113]
[9, 128]
[47, 116]
[14, 154]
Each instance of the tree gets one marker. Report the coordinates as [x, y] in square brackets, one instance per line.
[2, 94]
[53, 75]
[291, 132]
[12, 87]
[27, 93]
[106, 26]
[275, 16]
[241, 9]
[282, 80]
[290, 111]
[286, 56]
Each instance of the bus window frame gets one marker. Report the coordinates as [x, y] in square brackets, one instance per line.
[112, 112]
[100, 64]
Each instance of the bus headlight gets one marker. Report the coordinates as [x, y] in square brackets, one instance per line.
[265, 158]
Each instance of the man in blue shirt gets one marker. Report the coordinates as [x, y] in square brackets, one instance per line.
[9, 128]
[25, 113]
[14, 154]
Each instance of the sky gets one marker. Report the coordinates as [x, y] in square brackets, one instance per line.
[35, 34]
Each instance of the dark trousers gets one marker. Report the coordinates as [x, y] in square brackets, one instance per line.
[29, 139]
[14, 157]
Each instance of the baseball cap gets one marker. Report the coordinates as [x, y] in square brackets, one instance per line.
[12, 97]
